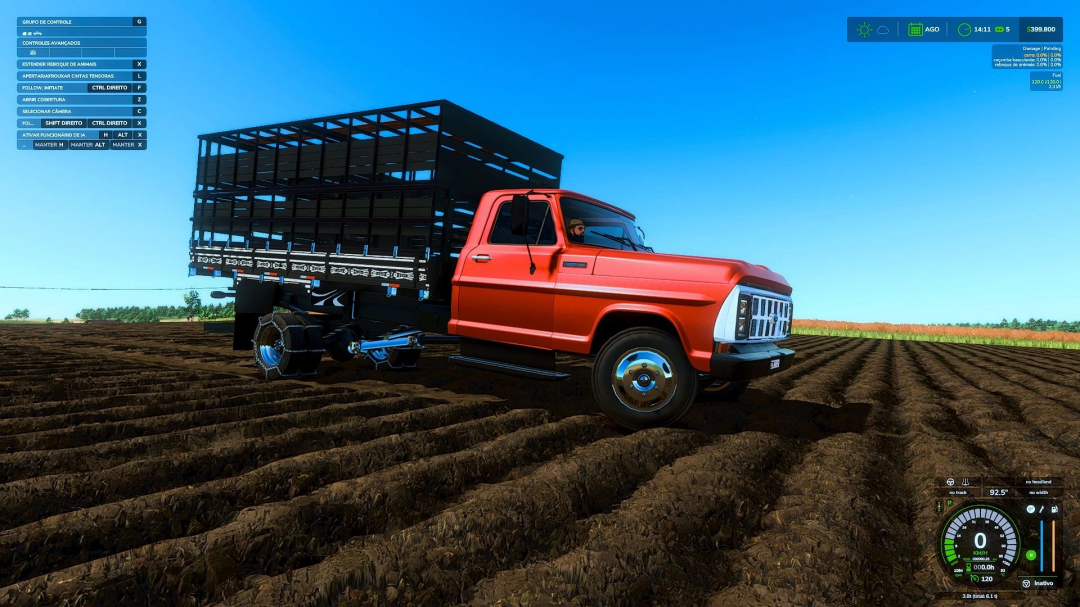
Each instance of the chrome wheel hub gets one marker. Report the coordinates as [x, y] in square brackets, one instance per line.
[644, 379]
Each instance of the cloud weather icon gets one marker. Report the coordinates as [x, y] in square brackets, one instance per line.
[882, 29]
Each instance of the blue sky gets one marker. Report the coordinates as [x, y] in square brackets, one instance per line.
[887, 182]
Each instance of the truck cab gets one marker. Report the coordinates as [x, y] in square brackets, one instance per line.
[551, 270]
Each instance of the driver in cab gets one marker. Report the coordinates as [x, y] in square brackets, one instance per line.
[575, 231]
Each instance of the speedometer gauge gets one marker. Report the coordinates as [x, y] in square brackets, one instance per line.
[979, 545]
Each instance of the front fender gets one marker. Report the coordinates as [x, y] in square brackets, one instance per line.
[696, 340]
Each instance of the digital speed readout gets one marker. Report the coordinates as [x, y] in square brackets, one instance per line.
[1006, 542]
[979, 545]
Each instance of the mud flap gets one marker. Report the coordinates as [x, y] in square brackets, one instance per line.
[244, 325]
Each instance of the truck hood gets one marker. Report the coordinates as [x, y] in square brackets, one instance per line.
[664, 266]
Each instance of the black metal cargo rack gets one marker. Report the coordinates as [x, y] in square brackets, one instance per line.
[380, 200]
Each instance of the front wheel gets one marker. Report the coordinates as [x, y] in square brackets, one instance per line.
[642, 379]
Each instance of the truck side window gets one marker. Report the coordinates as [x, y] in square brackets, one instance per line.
[541, 228]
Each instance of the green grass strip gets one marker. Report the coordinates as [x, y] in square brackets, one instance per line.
[952, 339]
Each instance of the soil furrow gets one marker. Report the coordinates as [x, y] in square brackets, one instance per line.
[1058, 424]
[660, 545]
[831, 531]
[1057, 388]
[285, 536]
[776, 385]
[76, 371]
[1049, 358]
[28, 500]
[83, 536]
[801, 556]
[874, 385]
[807, 341]
[280, 537]
[1056, 365]
[105, 409]
[56, 367]
[26, 464]
[69, 399]
[805, 353]
[62, 438]
[438, 560]
[135, 384]
[827, 383]
[997, 429]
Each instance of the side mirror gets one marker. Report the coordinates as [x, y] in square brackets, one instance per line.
[519, 214]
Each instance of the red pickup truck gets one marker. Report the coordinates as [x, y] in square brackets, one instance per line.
[549, 271]
[371, 233]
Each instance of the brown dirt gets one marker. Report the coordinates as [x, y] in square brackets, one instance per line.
[148, 464]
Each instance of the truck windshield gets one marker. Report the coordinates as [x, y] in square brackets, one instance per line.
[590, 224]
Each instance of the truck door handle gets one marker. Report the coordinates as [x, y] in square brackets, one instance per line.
[481, 258]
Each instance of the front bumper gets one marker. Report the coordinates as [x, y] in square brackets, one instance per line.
[750, 361]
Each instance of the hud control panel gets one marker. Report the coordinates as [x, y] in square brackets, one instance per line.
[1000, 538]
[81, 83]
[1030, 45]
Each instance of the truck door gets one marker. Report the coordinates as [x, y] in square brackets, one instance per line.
[497, 298]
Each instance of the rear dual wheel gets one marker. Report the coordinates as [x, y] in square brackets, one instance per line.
[642, 379]
[287, 345]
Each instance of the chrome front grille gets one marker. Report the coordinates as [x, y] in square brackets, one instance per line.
[770, 318]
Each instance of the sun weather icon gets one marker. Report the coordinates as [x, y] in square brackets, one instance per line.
[863, 30]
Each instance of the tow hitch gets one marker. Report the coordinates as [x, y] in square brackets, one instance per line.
[396, 351]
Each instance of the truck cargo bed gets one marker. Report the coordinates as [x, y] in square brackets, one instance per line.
[380, 200]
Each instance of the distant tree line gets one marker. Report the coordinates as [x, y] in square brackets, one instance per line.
[1032, 324]
[154, 314]
[24, 313]
[18, 314]
[192, 308]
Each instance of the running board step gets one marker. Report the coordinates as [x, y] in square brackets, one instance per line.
[510, 369]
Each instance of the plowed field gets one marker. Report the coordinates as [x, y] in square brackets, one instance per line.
[149, 465]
